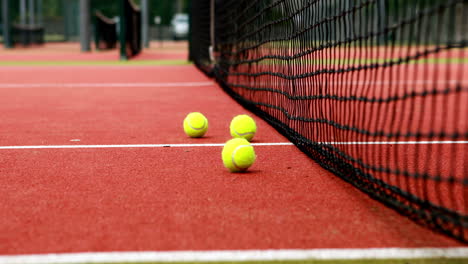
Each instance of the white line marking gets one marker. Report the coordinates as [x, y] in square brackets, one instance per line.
[103, 85]
[222, 144]
[399, 82]
[136, 146]
[209, 83]
[238, 255]
[395, 142]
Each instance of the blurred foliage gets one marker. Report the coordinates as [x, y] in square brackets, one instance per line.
[51, 8]
[163, 8]
[54, 9]
[166, 8]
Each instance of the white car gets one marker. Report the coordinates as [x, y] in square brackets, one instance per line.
[180, 26]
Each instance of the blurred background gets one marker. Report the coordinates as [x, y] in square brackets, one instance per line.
[39, 21]
[59, 20]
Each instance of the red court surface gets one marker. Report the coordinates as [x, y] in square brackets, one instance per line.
[166, 198]
[70, 51]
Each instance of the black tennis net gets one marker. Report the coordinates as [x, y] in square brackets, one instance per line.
[105, 32]
[375, 91]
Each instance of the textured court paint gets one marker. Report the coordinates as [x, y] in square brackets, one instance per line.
[162, 84]
[58, 61]
[75, 200]
[69, 54]
[218, 145]
[241, 255]
[174, 54]
[97, 74]
[39, 63]
[112, 115]
[168, 199]
[104, 85]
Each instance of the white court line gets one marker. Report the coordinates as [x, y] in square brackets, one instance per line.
[200, 84]
[222, 144]
[136, 146]
[238, 255]
[103, 85]
[396, 142]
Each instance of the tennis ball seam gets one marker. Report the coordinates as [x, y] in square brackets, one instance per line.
[242, 134]
[243, 126]
[194, 128]
[195, 125]
[233, 154]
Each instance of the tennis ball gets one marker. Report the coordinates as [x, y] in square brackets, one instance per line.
[195, 125]
[238, 155]
[243, 126]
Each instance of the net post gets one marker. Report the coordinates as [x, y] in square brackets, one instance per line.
[144, 23]
[85, 38]
[212, 30]
[22, 12]
[95, 26]
[67, 14]
[122, 32]
[7, 43]
[40, 15]
[31, 11]
[190, 42]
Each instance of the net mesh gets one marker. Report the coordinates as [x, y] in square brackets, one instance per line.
[374, 91]
[105, 31]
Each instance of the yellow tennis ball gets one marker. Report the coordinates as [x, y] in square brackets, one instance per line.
[195, 124]
[243, 126]
[238, 155]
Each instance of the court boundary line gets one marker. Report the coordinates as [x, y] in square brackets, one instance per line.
[205, 83]
[136, 146]
[423, 142]
[222, 144]
[238, 255]
[105, 85]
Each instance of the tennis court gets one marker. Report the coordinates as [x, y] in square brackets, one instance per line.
[361, 155]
